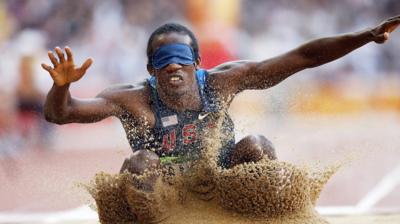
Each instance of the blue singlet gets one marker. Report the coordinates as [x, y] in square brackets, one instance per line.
[179, 134]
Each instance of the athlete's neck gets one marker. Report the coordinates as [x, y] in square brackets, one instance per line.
[189, 101]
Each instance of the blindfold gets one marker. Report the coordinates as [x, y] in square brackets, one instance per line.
[172, 54]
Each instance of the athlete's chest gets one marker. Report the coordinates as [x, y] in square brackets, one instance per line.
[179, 132]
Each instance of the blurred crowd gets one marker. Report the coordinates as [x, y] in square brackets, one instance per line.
[115, 34]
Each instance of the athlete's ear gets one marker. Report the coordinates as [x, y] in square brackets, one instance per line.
[197, 62]
[150, 69]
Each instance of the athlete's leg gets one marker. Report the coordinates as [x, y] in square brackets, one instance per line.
[138, 163]
[251, 149]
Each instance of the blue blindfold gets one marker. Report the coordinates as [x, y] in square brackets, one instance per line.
[172, 54]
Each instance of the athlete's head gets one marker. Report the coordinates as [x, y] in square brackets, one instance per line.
[173, 57]
[172, 28]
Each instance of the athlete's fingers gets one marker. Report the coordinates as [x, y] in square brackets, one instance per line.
[392, 25]
[49, 69]
[69, 54]
[60, 54]
[52, 58]
[382, 38]
[46, 67]
[385, 36]
[394, 18]
[85, 66]
[392, 28]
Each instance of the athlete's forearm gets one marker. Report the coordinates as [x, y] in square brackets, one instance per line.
[324, 50]
[58, 101]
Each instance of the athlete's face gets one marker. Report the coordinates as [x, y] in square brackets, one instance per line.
[174, 79]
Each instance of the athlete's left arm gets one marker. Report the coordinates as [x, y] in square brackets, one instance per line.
[237, 76]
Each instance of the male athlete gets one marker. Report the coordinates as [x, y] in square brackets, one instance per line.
[165, 117]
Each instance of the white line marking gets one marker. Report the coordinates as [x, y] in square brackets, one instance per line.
[383, 188]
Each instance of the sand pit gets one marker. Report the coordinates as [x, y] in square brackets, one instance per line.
[203, 192]
[227, 198]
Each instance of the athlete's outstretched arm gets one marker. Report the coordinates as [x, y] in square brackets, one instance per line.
[60, 107]
[260, 75]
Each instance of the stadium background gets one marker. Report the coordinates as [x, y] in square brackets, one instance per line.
[347, 110]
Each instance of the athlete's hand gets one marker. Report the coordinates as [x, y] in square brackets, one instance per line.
[382, 31]
[64, 70]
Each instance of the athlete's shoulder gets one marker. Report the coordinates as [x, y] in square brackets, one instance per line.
[125, 91]
[231, 66]
[226, 72]
[225, 79]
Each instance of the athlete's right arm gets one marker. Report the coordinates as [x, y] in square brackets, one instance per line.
[60, 107]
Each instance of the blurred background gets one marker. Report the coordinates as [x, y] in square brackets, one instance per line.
[347, 110]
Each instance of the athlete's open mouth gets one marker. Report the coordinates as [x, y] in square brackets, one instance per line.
[175, 79]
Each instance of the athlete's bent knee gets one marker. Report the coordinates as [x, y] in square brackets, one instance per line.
[267, 146]
[140, 161]
[252, 148]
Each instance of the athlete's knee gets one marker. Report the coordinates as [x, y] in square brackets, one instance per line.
[140, 161]
[252, 148]
[267, 146]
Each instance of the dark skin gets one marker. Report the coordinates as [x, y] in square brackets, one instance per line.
[227, 79]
